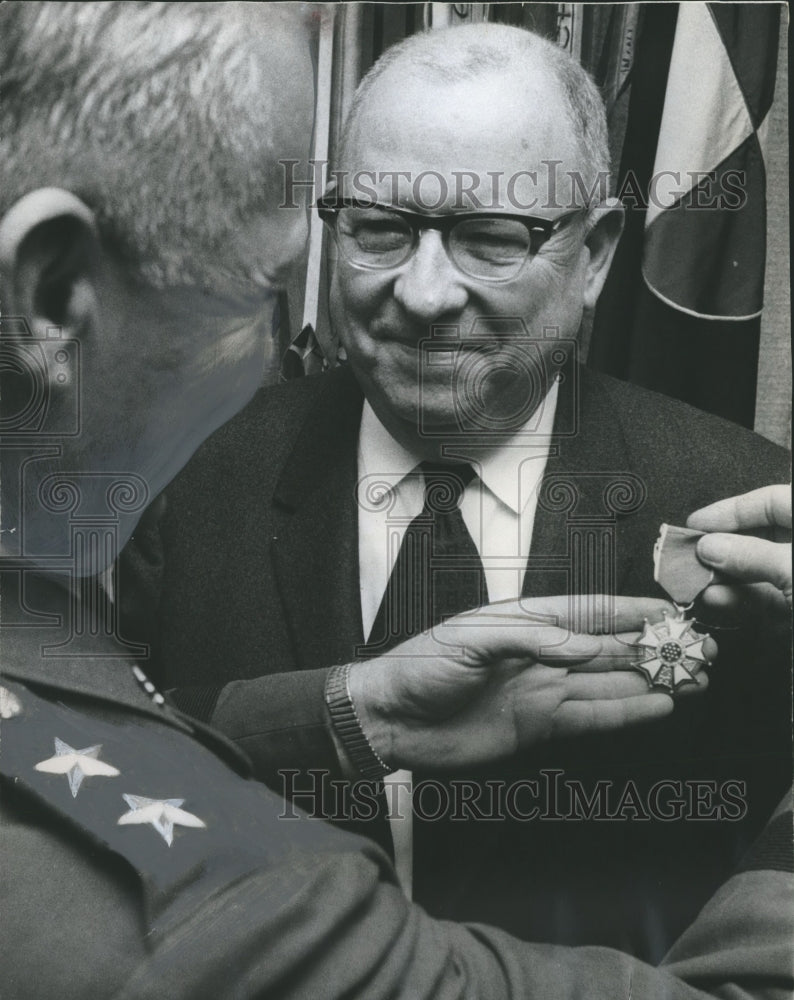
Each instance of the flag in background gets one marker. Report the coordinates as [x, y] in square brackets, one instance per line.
[680, 311]
[705, 230]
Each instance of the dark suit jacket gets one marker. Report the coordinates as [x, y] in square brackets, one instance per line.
[254, 593]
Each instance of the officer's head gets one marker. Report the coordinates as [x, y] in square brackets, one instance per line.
[141, 242]
[501, 132]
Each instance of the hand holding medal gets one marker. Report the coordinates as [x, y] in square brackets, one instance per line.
[744, 561]
[672, 651]
[712, 556]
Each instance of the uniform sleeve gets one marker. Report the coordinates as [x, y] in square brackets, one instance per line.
[225, 892]
[343, 931]
[742, 943]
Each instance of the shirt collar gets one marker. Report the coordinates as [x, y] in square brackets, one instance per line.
[379, 454]
[502, 470]
[511, 470]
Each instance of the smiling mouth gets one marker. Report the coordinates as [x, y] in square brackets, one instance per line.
[396, 336]
[443, 351]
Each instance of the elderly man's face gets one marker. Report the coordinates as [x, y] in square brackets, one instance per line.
[496, 130]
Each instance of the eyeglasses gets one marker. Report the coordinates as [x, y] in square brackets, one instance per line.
[489, 247]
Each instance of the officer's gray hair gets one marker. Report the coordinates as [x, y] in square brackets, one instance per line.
[460, 54]
[157, 115]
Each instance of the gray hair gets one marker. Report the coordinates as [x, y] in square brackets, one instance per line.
[158, 115]
[460, 54]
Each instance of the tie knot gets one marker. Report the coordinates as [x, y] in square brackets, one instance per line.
[444, 485]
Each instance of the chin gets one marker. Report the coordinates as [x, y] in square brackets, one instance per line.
[431, 415]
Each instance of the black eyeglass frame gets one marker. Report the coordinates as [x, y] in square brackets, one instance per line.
[329, 206]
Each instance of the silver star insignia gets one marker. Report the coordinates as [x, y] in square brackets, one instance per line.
[77, 764]
[672, 653]
[163, 814]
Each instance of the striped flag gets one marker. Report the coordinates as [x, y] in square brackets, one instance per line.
[705, 229]
[680, 310]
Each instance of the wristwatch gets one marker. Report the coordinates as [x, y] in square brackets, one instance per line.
[347, 725]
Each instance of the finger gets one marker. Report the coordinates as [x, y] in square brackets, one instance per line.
[576, 718]
[555, 630]
[586, 653]
[512, 629]
[618, 686]
[748, 559]
[617, 652]
[725, 605]
[723, 596]
[612, 686]
[631, 612]
[732, 601]
[693, 690]
[710, 649]
[590, 613]
[765, 507]
[605, 614]
[620, 652]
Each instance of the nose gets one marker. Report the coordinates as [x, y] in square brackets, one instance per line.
[430, 285]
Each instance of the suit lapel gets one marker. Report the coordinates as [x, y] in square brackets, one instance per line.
[587, 491]
[315, 549]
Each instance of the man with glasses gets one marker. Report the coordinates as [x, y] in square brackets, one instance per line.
[463, 456]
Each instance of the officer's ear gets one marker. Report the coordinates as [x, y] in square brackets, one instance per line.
[49, 263]
[605, 224]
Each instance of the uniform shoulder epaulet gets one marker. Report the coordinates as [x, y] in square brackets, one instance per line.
[146, 791]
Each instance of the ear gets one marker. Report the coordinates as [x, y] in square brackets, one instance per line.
[605, 225]
[49, 262]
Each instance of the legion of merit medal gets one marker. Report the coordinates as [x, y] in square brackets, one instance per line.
[672, 651]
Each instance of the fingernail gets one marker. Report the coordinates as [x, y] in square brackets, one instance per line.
[713, 549]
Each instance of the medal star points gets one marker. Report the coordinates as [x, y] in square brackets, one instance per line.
[162, 814]
[76, 764]
[672, 652]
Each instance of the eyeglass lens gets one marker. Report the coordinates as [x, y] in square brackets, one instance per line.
[485, 247]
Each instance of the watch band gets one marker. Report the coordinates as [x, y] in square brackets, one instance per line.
[347, 725]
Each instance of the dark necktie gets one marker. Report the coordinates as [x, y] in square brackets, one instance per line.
[438, 571]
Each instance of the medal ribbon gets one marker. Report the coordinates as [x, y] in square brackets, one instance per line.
[676, 567]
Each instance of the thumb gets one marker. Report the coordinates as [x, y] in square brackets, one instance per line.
[748, 559]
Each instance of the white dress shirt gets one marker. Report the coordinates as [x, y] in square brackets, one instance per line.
[498, 508]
